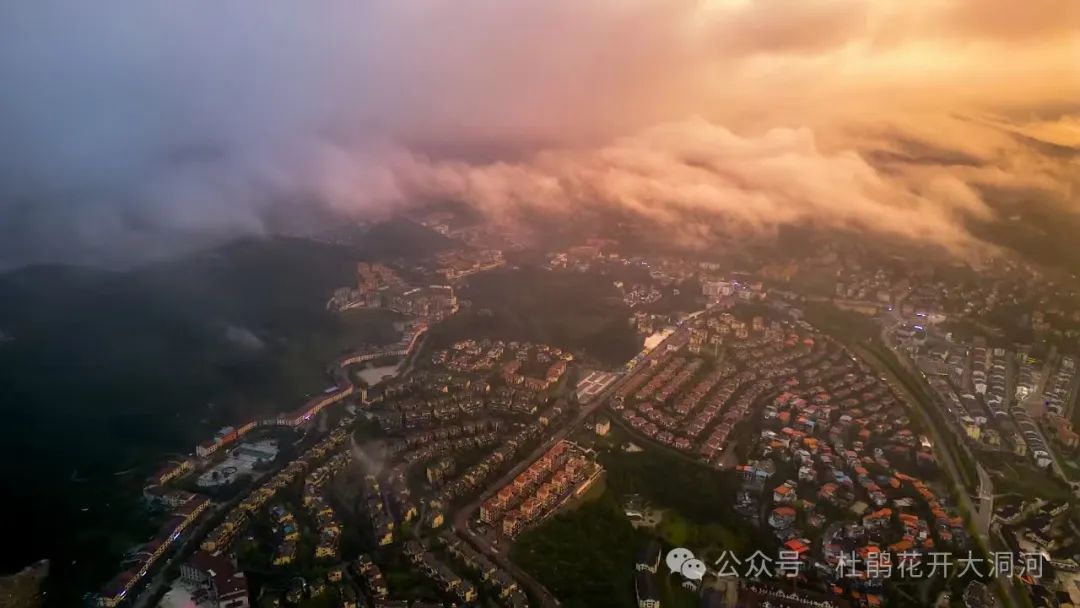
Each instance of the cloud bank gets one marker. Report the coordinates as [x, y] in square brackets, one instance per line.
[132, 130]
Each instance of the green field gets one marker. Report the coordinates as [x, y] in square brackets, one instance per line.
[585, 556]
[699, 499]
[843, 325]
[581, 312]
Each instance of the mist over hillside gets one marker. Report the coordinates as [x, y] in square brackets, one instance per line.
[106, 371]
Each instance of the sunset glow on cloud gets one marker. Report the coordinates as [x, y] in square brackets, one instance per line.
[895, 116]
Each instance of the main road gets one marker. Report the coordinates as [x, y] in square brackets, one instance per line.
[944, 456]
[461, 519]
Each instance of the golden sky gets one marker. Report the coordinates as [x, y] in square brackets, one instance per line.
[127, 120]
[894, 116]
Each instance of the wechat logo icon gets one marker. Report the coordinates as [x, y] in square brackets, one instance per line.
[682, 561]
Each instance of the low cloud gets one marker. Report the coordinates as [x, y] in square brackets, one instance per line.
[134, 131]
[695, 179]
[243, 338]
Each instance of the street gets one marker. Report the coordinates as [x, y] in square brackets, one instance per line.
[460, 520]
[945, 459]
